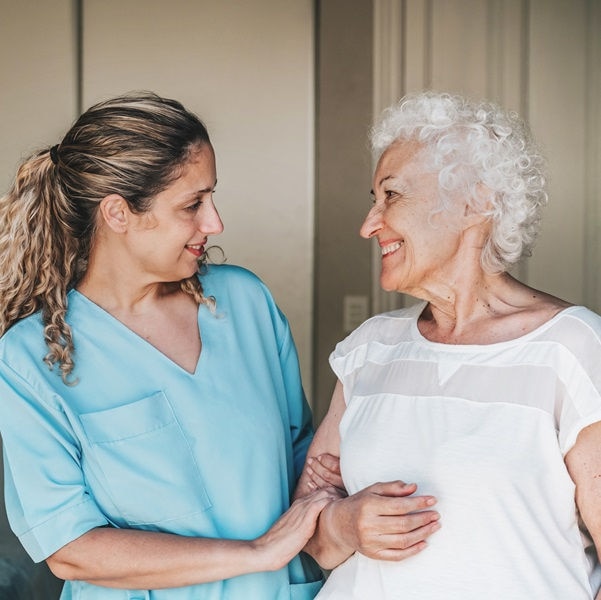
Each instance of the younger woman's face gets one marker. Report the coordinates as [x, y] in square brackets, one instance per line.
[172, 236]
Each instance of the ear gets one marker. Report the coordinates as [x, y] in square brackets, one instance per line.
[479, 210]
[115, 212]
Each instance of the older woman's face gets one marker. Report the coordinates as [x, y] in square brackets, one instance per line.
[417, 243]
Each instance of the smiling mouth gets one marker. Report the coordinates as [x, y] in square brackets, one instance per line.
[196, 249]
[390, 248]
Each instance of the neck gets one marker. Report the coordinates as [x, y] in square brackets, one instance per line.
[455, 303]
[117, 286]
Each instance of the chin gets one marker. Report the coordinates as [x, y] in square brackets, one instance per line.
[387, 285]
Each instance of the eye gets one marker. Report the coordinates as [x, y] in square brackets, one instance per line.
[195, 206]
[388, 194]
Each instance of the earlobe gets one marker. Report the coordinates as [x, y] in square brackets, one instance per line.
[481, 207]
[115, 212]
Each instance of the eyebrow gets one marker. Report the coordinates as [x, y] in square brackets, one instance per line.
[381, 182]
[205, 190]
[385, 179]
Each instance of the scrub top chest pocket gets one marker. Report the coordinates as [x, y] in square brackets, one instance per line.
[146, 461]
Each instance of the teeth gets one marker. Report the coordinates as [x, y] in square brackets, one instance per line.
[391, 248]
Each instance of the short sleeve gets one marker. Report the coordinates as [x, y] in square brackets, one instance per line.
[580, 374]
[350, 354]
[46, 498]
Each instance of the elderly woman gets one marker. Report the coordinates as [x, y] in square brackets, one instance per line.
[485, 395]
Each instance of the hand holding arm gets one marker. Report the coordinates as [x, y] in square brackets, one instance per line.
[384, 521]
[135, 559]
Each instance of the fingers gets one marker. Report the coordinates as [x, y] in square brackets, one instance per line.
[395, 554]
[401, 545]
[400, 529]
[386, 520]
[393, 498]
[421, 534]
[291, 532]
[392, 488]
[329, 462]
[324, 470]
[314, 502]
[391, 505]
[406, 523]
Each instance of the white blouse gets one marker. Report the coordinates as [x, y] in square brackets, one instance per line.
[485, 429]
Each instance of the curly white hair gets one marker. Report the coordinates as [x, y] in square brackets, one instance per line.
[472, 145]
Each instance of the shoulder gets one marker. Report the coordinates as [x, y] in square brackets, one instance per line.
[241, 294]
[376, 338]
[22, 366]
[386, 328]
[587, 317]
[225, 277]
[577, 328]
[24, 337]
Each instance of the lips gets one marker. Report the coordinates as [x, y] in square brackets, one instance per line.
[196, 249]
[390, 248]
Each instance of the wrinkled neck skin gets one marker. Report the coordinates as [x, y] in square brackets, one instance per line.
[467, 305]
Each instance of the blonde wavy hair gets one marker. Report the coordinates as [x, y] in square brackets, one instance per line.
[133, 145]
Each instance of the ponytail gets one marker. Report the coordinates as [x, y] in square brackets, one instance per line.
[38, 256]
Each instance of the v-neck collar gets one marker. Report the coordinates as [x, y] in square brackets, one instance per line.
[130, 332]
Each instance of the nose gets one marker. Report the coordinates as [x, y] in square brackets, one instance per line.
[372, 223]
[209, 221]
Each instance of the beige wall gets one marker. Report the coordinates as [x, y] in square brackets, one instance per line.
[37, 75]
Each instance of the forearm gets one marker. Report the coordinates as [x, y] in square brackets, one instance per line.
[326, 546]
[134, 559]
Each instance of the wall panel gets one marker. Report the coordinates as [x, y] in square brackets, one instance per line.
[37, 70]
[557, 100]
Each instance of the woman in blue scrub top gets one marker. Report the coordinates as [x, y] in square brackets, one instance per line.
[153, 419]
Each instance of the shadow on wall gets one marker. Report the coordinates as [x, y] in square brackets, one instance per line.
[20, 577]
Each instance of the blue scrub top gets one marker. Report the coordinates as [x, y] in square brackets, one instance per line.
[141, 443]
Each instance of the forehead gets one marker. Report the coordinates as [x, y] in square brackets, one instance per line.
[199, 166]
[402, 155]
[197, 174]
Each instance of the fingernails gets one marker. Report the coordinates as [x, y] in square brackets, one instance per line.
[311, 485]
[430, 501]
[310, 461]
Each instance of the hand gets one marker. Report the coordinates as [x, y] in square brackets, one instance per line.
[324, 471]
[385, 521]
[289, 534]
